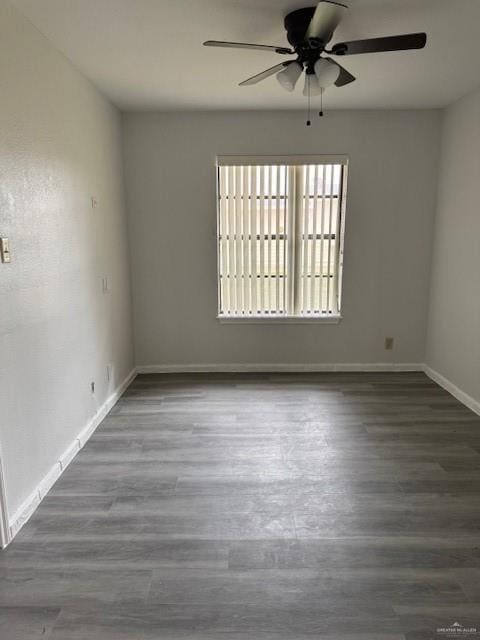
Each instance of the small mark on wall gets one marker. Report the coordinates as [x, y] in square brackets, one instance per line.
[389, 344]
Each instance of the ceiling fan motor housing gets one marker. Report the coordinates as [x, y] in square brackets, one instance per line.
[296, 24]
[308, 50]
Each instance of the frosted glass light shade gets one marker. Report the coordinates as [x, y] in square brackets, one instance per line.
[289, 76]
[326, 72]
[315, 88]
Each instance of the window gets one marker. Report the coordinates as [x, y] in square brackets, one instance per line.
[280, 236]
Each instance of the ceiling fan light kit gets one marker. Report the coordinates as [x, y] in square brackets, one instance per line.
[309, 32]
[312, 86]
[289, 76]
[327, 72]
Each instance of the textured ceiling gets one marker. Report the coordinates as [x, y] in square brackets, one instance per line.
[148, 54]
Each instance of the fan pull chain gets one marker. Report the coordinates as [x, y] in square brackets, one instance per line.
[321, 103]
[309, 122]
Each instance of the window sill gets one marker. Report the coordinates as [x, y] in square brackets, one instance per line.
[331, 319]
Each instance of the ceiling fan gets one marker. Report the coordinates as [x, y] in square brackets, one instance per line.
[309, 31]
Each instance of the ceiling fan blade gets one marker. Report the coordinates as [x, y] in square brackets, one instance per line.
[374, 45]
[246, 45]
[325, 20]
[265, 74]
[345, 76]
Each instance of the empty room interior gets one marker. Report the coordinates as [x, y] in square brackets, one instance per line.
[239, 319]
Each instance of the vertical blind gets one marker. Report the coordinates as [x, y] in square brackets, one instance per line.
[280, 236]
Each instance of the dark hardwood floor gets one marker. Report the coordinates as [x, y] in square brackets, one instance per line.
[270, 507]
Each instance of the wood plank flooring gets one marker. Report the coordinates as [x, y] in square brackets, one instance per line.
[271, 507]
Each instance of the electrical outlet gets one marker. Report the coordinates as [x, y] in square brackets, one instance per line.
[92, 387]
[94, 202]
[389, 344]
[105, 284]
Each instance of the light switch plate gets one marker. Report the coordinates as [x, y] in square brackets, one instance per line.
[5, 249]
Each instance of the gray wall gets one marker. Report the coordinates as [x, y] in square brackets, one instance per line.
[170, 175]
[453, 345]
[60, 143]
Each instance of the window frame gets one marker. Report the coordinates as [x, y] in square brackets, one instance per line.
[292, 162]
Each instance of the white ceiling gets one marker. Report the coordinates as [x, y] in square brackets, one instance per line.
[148, 54]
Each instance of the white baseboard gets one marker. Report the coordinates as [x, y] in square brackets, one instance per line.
[27, 508]
[464, 398]
[4, 524]
[273, 368]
